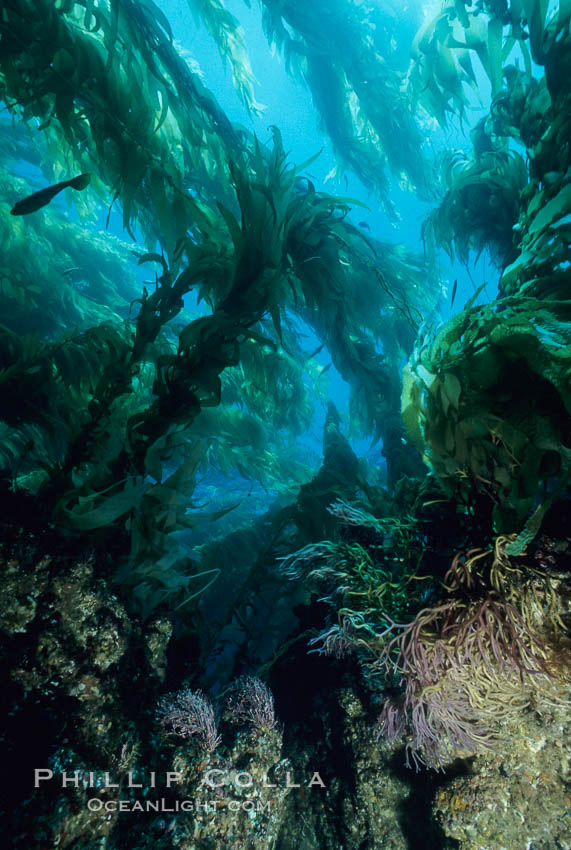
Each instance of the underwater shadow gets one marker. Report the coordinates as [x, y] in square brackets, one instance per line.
[418, 825]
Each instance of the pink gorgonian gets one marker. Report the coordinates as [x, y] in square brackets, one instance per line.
[190, 715]
[251, 702]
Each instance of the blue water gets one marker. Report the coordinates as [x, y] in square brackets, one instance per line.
[287, 104]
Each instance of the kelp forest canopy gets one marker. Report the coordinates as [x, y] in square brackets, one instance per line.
[136, 416]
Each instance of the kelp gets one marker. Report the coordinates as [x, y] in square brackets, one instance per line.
[485, 398]
[487, 402]
[441, 72]
[344, 53]
[535, 114]
[522, 111]
[242, 446]
[541, 268]
[256, 271]
[545, 35]
[482, 192]
[46, 388]
[263, 250]
[187, 377]
[249, 613]
[151, 431]
[354, 291]
[481, 205]
[168, 203]
[270, 385]
[137, 412]
[107, 81]
[438, 75]
[495, 202]
[229, 36]
[364, 298]
[55, 276]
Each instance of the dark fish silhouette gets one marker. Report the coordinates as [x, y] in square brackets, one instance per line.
[364, 224]
[40, 199]
[454, 288]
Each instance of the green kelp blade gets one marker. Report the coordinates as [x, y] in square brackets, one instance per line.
[83, 517]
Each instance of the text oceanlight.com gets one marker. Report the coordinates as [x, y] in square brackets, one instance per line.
[173, 806]
[214, 780]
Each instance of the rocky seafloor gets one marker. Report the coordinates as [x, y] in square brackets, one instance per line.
[84, 678]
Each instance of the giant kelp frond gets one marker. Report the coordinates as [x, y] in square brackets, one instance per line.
[76, 360]
[442, 72]
[270, 384]
[129, 430]
[56, 275]
[488, 192]
[441, 66]
[270, 251]
[47, 387]
[363, 298]
[522, 110]
[107, 81]
[229, 37]
[481, 205]
[542, 267]
[547, 27]
[243, 449]
[482, 433]
[344, 54]
[544, 226]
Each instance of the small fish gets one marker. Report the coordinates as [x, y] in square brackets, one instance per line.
[76, 273]
[364, 224]
[454, 288]
[44, 196]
